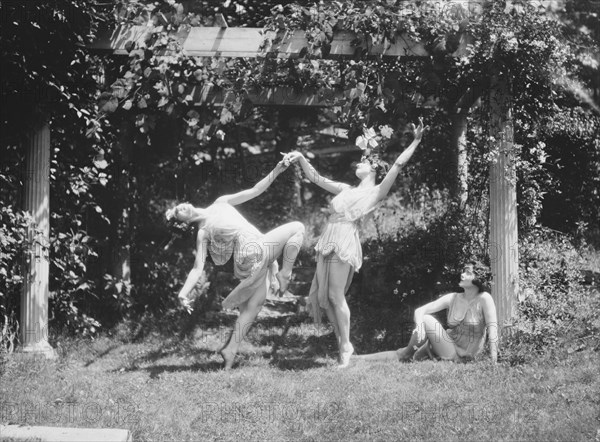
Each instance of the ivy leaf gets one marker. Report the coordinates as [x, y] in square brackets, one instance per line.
[226, 116]
[111, 105]
[100, 163]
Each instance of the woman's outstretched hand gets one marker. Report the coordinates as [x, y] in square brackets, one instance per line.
[186, 303]
[281, 166]
[418, 130]
[292, 157]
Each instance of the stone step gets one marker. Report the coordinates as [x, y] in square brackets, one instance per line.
[286, 305]
[62, 434]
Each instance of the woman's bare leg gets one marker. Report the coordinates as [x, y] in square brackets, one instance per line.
[287, 240]
[440, 343]
[284, 240]
[437, 342]
[334, 322]
[424, 352]
[338, 280]
[381, 356]
[248, 312]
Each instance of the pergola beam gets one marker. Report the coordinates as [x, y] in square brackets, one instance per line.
[210, 41]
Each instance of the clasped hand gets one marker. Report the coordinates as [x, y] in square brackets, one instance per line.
[291, 157]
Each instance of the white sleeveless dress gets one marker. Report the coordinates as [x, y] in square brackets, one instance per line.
[340, 241]
[230, 234]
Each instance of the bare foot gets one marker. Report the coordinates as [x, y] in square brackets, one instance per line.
[283, 276]
[345, 356]
[404, 355]
[228, 358]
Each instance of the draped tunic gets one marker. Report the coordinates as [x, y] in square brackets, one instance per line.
[340, 242]
[230, 235]
[468, 329]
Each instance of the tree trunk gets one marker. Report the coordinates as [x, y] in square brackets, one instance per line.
[460, 189]
[121, 258]
[503, 202]
[34, 297]
[286, 144]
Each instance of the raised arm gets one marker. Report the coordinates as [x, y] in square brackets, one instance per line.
[314, 176]
[390, 177]
[196, 272]
[491, 323]
[260, 187]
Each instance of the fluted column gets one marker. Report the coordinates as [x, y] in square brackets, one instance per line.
[504, 255]
[34, 298]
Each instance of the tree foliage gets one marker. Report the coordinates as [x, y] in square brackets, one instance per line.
[45, 63]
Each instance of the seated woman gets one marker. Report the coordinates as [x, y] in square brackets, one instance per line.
[471, 315]
[224, 232]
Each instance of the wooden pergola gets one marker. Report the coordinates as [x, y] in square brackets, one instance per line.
[246, 42]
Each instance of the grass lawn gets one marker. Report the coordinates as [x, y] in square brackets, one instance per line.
[286, 387]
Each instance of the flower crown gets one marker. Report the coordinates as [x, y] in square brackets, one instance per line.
[372, 144]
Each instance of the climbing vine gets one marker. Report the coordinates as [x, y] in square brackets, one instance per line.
[468, 44]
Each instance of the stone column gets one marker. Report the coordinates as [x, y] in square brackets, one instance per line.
[504, 254]
[34, 298]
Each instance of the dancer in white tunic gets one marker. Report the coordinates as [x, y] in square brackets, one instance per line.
[339, 252]
[224, 232]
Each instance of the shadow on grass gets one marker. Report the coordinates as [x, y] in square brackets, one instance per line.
[295, 351]
[291, 344]
[296, 363]
[156, 370]
[100, 355]
[184, 351]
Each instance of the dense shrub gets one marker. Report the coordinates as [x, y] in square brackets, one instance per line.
[14, 241]
[557, 312]
[72, 292]
[572, 203]
[70, 289]
[421, 240]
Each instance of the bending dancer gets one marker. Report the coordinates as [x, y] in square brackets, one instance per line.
[470, 314]
[224, 232]
[339, 252]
